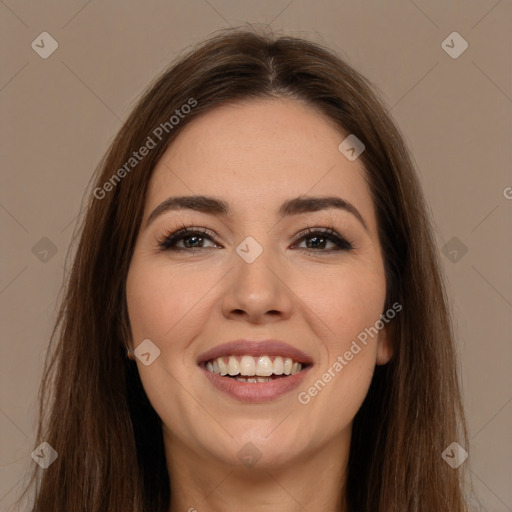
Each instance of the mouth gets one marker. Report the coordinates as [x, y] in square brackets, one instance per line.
[255, 371]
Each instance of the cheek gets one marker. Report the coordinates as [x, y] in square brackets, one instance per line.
[163, 306]
[159, 297]
[345, 302]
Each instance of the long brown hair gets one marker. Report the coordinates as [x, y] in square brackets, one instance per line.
[94, 411]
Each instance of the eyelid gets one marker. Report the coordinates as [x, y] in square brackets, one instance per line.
[183, 232]
[175, 235]
[331, 233]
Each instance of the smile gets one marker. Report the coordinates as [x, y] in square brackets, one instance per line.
[255, 370]
[252, 370]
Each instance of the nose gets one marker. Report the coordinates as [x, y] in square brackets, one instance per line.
[258, 292]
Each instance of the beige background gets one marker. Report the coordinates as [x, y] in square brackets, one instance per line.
[60, 113]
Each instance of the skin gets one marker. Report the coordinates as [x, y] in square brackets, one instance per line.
[256, 155]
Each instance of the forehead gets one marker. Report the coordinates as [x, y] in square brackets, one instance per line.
[256, 155]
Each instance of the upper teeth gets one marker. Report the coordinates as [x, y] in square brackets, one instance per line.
[262, 366]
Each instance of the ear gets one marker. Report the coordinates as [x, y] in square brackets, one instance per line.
[129, 352]
[384, 346]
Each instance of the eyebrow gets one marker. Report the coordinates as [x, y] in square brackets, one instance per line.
[213, 206]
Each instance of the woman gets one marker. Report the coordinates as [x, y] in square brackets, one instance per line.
[255, 318]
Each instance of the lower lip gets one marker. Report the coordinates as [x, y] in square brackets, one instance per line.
[256, 391]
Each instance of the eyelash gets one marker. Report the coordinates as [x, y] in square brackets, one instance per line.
[167, 243]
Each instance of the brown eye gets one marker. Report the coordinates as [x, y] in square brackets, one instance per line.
[319, 237]
[192, 239]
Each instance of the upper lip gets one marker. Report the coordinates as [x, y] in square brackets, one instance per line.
[255, 348]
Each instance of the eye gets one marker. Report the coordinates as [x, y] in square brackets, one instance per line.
[320, 237]
[193, 239]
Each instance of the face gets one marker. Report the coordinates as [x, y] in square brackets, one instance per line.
[267, 280]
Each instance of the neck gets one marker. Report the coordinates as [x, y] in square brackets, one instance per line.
[312, 481]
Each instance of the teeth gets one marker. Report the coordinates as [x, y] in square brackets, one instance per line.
[247, 365]
[278, 366]
[264, 367]
[296, 368]
[233, 367]
[260, 368]
[252, 379]
[223, 367]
